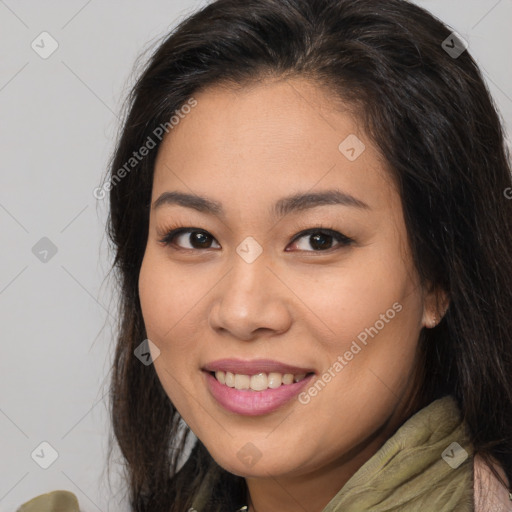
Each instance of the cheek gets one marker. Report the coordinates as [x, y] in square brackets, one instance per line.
[170, 299]
[154, 301]
[167, 300]
[371, 317]
[347, 300]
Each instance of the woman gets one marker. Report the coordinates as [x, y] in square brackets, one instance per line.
[312, 235]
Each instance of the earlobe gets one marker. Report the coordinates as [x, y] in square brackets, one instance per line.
[434, 320]
[442, 303]
[437, 302]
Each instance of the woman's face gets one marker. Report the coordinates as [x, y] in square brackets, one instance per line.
[341, 304]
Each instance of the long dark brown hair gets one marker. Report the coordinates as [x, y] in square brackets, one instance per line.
[429, 113]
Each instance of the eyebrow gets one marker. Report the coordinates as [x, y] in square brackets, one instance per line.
[285, 205]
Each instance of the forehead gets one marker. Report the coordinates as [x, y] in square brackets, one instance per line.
[267, 138]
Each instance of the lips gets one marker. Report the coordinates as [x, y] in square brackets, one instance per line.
[231, 384]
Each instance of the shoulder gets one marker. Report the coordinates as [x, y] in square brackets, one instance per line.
[489, 493]
[56, 501]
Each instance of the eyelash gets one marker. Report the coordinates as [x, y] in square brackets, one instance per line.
[343, 240]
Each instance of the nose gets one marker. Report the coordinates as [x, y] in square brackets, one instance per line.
[251, 301]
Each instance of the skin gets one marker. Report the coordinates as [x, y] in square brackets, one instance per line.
[247, 148]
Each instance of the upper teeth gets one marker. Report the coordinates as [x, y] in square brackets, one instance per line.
[258, 382]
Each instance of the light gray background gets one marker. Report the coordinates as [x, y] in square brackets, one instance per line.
[58, 122]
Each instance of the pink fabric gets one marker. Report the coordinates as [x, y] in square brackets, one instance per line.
[489, 493]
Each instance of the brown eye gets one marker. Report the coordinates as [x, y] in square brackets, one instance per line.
[197, 239]
[321, 240]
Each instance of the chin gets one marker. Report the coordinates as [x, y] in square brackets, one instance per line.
[242, 465]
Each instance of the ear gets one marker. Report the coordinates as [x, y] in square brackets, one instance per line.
[436, 302]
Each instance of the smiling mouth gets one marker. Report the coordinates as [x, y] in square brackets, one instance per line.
[257, 382]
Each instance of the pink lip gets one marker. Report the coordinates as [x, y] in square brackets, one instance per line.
[253, 403]
[253, 367]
